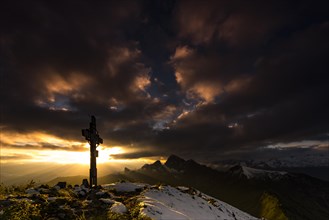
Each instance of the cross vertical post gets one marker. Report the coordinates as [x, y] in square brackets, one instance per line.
[94, 140]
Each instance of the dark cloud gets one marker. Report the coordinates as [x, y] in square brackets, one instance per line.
[194, 78]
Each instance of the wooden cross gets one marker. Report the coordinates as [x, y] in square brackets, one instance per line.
[94, 140]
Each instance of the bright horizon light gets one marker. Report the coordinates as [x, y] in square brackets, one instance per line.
[13, 146]
[69, 157]
[62, 156]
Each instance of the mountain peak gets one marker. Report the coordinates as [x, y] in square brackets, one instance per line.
[175, 162]
[157, 165]
[174, 157]
[253, 173]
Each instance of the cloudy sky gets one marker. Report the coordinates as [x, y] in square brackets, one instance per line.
[206, 80]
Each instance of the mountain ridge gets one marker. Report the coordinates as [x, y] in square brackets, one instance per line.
[252, 195]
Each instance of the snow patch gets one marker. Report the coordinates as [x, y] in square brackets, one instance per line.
[118, 207]
[167, 202]
[124, 186]
[255, 173]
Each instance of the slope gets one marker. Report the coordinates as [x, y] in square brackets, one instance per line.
[116, 201]
[296, 196]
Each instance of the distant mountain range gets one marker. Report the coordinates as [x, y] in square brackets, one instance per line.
[309, 160]
[316, 165]
[262, 193]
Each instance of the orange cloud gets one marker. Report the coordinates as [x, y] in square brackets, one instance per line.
[206, 91]
[239, 29]
[54, 84]
[39, 141]
[238, 84]
[196, 21]
[141, 82]
[182, 52]
[119, 56]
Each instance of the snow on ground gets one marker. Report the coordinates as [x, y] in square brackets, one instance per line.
[118, 207]
[167, 202]
[124, 186]
[254, 173]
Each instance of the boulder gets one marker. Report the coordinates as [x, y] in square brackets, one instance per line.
[61, 185]
[85, 183]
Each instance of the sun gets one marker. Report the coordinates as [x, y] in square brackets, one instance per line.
[104, 154]
[74, 157]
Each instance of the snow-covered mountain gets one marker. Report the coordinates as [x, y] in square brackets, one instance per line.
[253, 173]
[309, 160]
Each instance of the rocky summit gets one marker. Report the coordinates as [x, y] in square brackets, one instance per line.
[120, 200]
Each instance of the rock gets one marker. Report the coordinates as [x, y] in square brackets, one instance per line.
[82, 193]
[75, 204]
[32, 191]
[61, 215]
[125, 186]
[100, 193]
[61, 185]
[43, 186]
[118, 207]
[88, 201]
[57, 187]
[60, 201]
[25, 199]
[38, 198]
[44, 191]
[52, 198]
[85, 183]
[107, 201]
[104, 194]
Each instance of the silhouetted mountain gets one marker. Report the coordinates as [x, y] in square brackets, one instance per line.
[316, 165]
[175, 162]
[156, 166]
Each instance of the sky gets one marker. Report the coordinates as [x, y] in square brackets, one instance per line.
[205, 80]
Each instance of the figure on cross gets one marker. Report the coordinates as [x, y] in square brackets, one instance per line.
[94, 140]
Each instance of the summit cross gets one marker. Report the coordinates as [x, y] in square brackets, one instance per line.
[92, 136]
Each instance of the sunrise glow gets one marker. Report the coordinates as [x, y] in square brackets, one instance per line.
[43, 147]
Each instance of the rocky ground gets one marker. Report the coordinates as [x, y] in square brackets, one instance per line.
[121, 201]
[116, 201]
